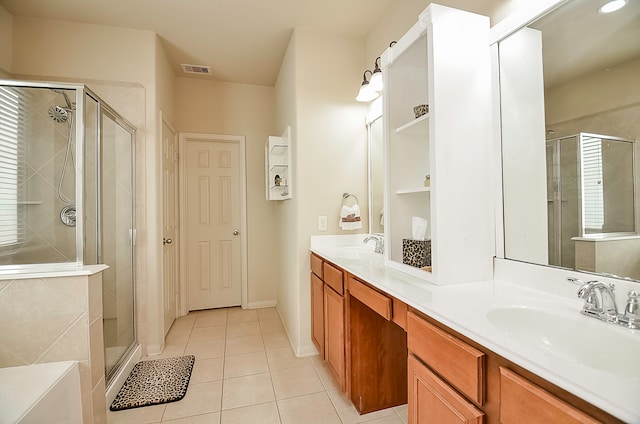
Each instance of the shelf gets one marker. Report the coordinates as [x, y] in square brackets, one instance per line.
[280, 186]
[413, 190]
[413, 127]
[279, 168]
[279, 149]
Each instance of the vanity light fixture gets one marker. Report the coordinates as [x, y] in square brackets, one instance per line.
[376, 77]
[612, 6]
[366, 93]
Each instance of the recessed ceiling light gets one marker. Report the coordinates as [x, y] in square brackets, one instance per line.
[612, 6]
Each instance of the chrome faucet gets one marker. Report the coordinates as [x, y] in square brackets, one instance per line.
[379, 243]
[599, 301]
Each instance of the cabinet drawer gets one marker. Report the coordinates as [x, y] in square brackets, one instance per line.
[457, 362]
[523, 402]
[334, 277]
[370, 297]
[316, 265]
[432, 401]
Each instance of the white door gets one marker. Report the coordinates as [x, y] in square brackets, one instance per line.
[213, 223]
[170, 223]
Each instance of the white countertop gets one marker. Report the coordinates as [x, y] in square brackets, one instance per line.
[464, 308]
[51, 271]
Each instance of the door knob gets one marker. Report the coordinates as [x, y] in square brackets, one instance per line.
[166, 241]
[236, 232]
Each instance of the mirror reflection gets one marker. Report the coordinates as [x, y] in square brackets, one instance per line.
[376, 176]
[570, 105]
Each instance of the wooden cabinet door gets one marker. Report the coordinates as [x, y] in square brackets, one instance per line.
[432, 401]
[334, 334]
[317, 313]
[522, 402]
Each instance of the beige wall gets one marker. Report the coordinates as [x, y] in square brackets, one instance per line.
[6, 35]
[248, 110]
[288, 293]
[594, 93]
[329, 158]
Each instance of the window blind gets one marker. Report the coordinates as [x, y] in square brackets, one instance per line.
[11, 167]
[592, 184]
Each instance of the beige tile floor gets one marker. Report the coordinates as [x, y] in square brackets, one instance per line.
[245, 373]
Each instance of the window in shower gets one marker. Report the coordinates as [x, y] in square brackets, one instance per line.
[592, 183]
[11, 175]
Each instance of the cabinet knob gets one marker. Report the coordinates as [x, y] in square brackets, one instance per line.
[236, 232]
[166, 241]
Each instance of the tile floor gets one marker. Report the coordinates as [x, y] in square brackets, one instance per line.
[245, 373]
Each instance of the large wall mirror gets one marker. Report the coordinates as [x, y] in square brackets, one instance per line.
[375, 139]
[570, 117]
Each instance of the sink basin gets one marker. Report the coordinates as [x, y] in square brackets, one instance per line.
[364, 255]
[573, 337]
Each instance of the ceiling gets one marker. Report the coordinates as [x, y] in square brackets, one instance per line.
[243, 40]
[577, 40]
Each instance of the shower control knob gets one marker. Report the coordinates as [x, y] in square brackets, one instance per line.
[166, 241]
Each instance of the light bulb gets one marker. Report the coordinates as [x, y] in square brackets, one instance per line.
[612, 6]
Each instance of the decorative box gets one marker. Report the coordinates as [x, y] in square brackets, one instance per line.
[416, 253]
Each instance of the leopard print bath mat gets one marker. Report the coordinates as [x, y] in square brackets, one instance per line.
[154, 382]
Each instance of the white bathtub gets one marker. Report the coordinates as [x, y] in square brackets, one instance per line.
[41, 393]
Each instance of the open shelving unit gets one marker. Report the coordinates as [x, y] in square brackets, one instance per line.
[443, 62]
[278, 166]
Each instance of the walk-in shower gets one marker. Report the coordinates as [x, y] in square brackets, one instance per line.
[67, 195]
[590, 191]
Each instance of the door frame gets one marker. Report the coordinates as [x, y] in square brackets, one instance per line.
[163, 120]
[240, 140]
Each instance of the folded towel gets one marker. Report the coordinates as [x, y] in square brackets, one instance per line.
[350, 218]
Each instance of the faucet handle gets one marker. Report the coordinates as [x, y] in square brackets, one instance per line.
[631, 317]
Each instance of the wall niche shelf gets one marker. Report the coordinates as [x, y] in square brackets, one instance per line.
[277, 157]
[413, 190]
[416, 126]
[279, 149]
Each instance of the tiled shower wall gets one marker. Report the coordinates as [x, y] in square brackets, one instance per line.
[57, 319]
[46, 238]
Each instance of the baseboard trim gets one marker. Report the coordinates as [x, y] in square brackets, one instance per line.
[262, 304]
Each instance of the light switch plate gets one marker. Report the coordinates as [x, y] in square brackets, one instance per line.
[322, 223]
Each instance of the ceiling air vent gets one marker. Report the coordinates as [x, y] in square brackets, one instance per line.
[196, 69]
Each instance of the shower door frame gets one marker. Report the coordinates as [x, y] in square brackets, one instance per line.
[105, 109]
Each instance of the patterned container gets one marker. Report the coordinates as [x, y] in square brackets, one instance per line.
[416, 253]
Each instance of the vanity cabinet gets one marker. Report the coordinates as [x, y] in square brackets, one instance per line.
[441, 62]
[377, 349]
[278, 174]
[359, 332]
[453, 379]
[453, 394]
[433, 401]
[522, 402]
[334, 334]
[328, 316]
[317, 304]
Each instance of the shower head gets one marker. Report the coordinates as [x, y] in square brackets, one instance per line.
[70, 105]
[59, 114]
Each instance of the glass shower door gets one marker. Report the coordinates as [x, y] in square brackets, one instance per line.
[116, 241]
